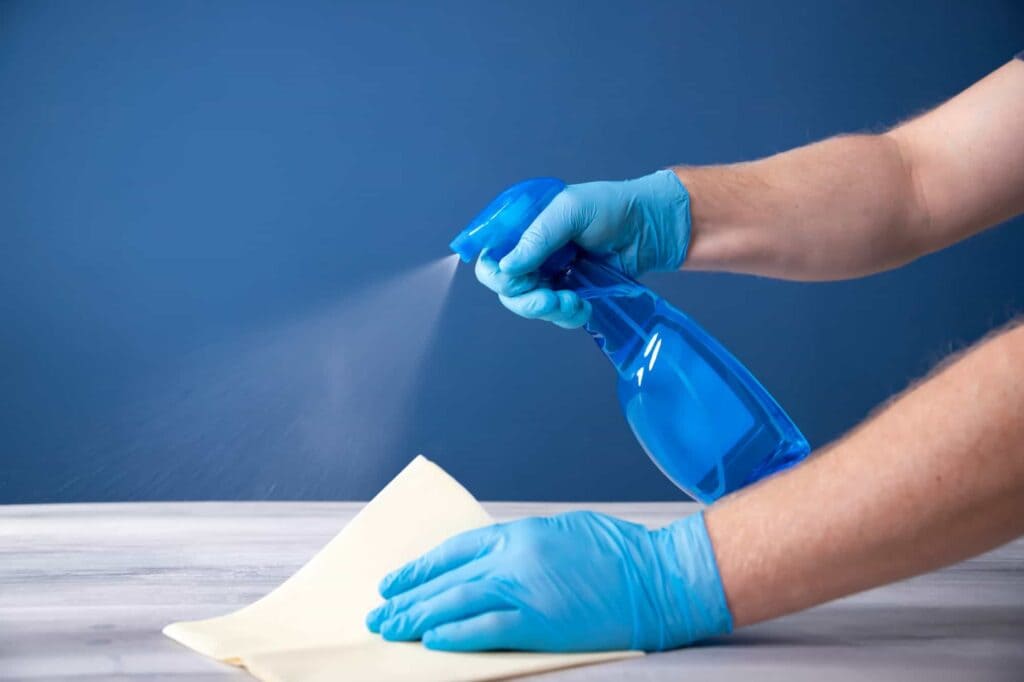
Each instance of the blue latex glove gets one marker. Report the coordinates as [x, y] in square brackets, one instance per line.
[574, 582]
[637, 226]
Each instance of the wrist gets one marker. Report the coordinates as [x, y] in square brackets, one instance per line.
[665, 206]
[724, 234]
[691, 597]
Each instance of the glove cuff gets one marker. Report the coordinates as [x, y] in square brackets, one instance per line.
[667, 205]
[694, 599]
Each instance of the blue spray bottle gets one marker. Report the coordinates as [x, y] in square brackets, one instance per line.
[700, 414]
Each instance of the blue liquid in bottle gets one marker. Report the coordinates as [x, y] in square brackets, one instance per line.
[698, 413]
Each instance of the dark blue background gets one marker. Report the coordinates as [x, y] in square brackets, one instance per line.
[176, 174]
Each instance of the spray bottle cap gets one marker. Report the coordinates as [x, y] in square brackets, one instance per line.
[498, 227]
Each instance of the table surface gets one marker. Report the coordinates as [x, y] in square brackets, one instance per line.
[85, 589]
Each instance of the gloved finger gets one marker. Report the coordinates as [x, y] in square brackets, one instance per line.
[532, 304]
[451, 553]
[484, 632]
[401, 602]
[492, 277]
[561, 307]
[559, 223]
[456, 603]
[573, 311]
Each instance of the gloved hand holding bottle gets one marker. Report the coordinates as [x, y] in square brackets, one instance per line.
[637, 226]
[574, 582]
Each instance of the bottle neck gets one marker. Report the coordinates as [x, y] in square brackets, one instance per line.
[622, 308]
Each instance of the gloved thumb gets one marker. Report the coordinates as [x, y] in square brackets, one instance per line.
[555, 227]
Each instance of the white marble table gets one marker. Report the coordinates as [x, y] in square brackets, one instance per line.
[85, 589]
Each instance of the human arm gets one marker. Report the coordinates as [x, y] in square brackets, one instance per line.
[937, 476]
[845, 207]
[854, 205]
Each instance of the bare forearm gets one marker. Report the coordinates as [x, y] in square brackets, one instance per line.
[839, 208]
[936, 477]
[855, 205]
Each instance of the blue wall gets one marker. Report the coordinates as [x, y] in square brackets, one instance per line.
[177, 177]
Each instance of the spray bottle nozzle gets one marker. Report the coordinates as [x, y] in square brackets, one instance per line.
[499, 226]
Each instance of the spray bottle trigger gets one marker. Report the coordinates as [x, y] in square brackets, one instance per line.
[560, 261]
